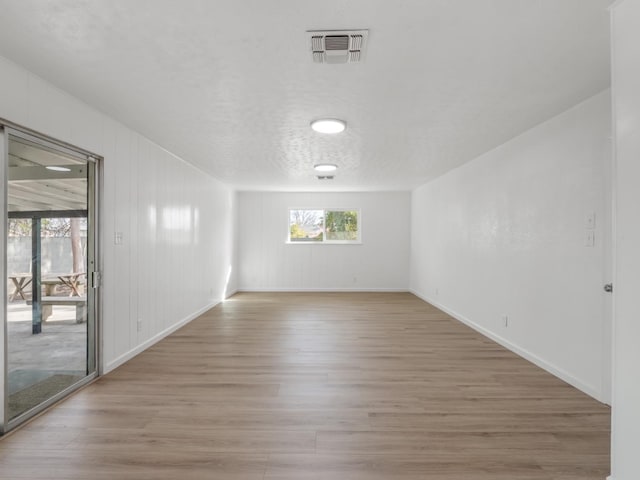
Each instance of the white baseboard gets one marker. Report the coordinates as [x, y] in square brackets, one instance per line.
[313, 289]
[155, 339]
[549, 367]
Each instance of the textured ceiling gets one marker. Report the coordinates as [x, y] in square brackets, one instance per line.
[230, 86]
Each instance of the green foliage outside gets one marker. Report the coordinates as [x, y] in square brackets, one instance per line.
[300, 235]
[341, 225]
[296, 231]
[318, 225]
[50, 227]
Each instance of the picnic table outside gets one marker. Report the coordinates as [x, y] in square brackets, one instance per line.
[72, 280]
[20, 282]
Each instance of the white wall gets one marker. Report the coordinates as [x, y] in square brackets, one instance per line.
[267, 262]
[505, 235]
[176, 221]
[625, 461]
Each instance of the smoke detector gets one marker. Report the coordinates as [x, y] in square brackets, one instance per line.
[337, 46]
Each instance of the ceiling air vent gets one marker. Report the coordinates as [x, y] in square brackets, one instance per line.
[324, 177]
[338, 46]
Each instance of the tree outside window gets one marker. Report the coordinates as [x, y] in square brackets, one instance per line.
[324, 226]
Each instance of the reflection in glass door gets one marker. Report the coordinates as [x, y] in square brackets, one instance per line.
[50, 255]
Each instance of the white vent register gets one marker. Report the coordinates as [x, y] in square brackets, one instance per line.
[337, 46]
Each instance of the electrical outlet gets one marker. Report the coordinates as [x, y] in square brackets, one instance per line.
[117, 238]
[437, 292]
[139, 325]
[505, 320]
[355, 280]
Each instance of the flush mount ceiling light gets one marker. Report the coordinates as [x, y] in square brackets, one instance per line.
[325, 167]
[58, 169]
[328, 125]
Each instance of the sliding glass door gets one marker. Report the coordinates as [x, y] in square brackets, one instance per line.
[50, 264]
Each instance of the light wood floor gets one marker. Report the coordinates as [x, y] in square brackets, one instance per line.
[319, 386]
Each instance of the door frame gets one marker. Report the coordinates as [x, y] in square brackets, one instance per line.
[609, 270]
[94, 263]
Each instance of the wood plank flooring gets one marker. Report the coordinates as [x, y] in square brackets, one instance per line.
[322, 386]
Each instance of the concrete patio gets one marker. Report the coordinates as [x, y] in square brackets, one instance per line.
[59, 350]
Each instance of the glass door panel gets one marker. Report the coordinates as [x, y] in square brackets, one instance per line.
[50, 340]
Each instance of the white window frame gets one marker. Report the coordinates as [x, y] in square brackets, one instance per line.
[357, 241]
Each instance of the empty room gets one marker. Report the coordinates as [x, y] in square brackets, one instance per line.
[351, 240]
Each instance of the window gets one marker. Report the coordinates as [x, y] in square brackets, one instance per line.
[314, 225]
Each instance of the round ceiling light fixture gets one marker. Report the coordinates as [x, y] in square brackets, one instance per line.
[325, 167]
[328, 125]
[55, 168]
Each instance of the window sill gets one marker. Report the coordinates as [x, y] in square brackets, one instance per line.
[323, 243]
